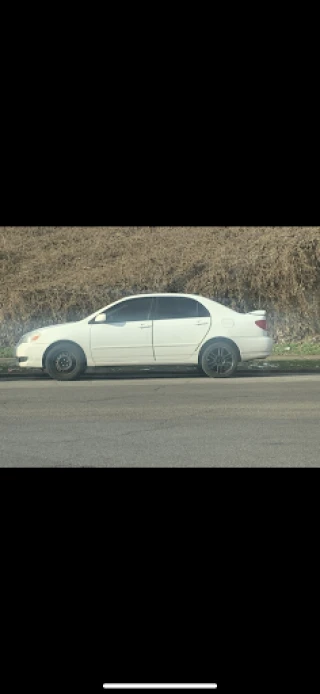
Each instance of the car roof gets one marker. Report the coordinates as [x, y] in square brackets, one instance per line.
[197, 297]
[164, 294]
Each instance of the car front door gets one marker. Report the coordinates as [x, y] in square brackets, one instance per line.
[126, 336]
[180, 326]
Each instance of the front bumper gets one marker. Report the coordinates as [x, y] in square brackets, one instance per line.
[30, 355]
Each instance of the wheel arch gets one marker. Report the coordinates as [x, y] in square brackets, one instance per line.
[218, 339]
[62, 342]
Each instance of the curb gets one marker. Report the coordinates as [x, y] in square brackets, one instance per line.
[263, 370]
[280, 365]
[12, 361]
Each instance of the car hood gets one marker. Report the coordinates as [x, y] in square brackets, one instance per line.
[56, 326]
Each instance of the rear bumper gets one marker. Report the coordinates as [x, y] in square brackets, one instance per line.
[256, 348]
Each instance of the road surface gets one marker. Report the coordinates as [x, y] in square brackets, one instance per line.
[177, 421]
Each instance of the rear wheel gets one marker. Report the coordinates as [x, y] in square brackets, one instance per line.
[220, 360]
[65, 362]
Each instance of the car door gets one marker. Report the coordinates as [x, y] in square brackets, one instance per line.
[126, 337]
[180, 325]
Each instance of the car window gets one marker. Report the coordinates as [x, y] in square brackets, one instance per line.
[130, 310]
[178, 307]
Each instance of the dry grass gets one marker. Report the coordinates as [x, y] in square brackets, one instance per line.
[50, 274]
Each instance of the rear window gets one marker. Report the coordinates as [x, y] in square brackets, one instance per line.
[173, 308]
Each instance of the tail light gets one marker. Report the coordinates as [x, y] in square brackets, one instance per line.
[262, 324]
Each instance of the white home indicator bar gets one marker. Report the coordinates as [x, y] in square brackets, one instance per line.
[160, 686]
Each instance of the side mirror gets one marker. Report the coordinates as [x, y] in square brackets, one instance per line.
[101, 318]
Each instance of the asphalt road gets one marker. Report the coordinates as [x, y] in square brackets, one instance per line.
[179, 421]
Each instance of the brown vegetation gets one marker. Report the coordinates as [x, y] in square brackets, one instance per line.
[51, 274]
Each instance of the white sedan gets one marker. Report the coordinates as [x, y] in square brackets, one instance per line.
[150, 330]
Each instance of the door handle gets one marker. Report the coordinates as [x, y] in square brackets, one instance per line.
[202, 322]
[145, 327]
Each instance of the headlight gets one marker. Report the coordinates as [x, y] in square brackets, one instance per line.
[23, 339]
[29, 337]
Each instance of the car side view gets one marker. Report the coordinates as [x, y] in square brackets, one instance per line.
[150, 330]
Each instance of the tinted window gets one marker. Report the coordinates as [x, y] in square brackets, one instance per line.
[177, 307]
[130, 310]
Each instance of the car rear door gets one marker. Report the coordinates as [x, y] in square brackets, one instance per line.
[180, 324]
[126, 337]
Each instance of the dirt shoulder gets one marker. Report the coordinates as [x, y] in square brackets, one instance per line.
[295, 357]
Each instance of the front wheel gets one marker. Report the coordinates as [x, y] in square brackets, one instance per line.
[65, 362]
[220, 360]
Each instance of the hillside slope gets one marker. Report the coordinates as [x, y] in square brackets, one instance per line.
[59, 273]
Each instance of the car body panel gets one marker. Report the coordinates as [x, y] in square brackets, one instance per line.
[71, 332]
[177, 341]
[122, 343]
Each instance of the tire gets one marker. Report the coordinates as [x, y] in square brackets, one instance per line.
[65, 362]
[220, 360]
